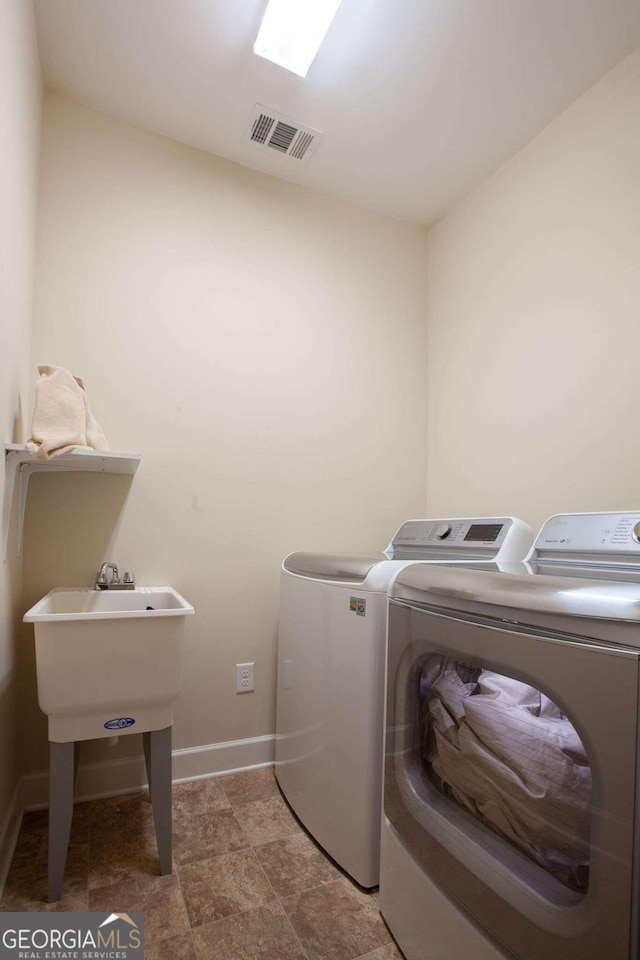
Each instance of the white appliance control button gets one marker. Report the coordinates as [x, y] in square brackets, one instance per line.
[443, 530]
[635, 533]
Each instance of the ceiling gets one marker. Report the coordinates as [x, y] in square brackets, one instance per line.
[418, 100]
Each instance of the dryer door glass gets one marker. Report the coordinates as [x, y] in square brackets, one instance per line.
[510, 776]
[508, 756]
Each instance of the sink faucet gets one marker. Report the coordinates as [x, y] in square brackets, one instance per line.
[115, 583]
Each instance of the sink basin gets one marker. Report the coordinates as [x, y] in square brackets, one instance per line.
[73, 604]
[108, 660]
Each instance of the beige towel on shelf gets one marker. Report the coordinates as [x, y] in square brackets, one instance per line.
[62, 419]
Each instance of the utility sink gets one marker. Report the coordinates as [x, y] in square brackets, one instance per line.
[108, 660]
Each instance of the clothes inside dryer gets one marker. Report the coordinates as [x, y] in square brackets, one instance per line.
[506, 754]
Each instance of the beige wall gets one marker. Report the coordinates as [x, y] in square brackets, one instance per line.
[263, 347]
[534, 322]
[19, 144]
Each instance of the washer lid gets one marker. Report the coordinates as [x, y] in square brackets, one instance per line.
[332, 566]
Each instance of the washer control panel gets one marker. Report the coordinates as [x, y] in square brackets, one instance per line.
[466, 536]
[591, 533]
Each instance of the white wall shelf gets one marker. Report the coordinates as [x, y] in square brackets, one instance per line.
[20, 464]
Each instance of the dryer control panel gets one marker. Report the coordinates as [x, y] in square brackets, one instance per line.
[594, 535]
[475, 538]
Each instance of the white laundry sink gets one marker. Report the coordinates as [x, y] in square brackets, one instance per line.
[108, 660]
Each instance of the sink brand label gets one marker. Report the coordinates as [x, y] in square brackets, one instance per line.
[358, 606]
[119, 723]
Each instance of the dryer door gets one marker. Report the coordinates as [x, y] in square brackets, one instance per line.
[510, 775]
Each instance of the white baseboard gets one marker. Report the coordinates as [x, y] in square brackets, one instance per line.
[8, 836]
[109, 778]
[216, 759]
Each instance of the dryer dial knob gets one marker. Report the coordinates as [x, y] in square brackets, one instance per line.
[635, 533]
[443, 530]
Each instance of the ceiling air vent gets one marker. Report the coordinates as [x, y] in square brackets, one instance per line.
[281, 135]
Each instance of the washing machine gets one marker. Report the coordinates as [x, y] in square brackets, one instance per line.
[331, 656]
[511, 820]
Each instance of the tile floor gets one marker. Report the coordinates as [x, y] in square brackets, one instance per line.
[248, 882]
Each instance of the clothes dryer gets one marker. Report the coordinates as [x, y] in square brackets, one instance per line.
[511, 825]
[331, 655]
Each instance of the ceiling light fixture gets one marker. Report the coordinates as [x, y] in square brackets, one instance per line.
[292, 31]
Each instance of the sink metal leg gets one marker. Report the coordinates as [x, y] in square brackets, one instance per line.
[63, 762]
[157, 755]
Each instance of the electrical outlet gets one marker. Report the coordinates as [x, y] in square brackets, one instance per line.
[245, 681]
